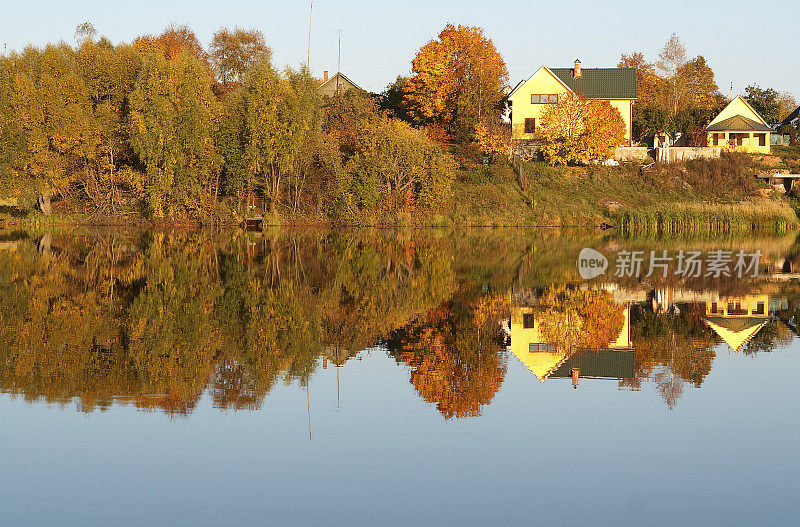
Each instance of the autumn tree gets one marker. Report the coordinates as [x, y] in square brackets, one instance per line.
[454, 362]
[173, 118]
[84, 32]
[234, 52]
[700, 84]
[577, 130]
[604, 130]
[282, 118]
[50, 117]
[173, 41]
[457, 80]
[493, 137]
[562, 125]
[671, 60]
[580, 319]
[682, 98]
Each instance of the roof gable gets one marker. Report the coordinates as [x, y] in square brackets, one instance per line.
[737, 107]
[600, 83]
[340, 79]
[541, 70]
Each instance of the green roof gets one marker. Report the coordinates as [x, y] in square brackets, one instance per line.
[600, 364]
[600, 83]
[738, 123]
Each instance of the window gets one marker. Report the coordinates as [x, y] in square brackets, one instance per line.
[530, 125]
[716, 139]
[527, 320]
[759, 309]
[762, 139]
[713, 307]
[544, 98]
[539, 347]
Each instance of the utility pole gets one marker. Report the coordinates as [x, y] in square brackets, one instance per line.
[308, 58]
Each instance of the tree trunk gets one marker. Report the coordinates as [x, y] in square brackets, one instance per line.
[44, 202]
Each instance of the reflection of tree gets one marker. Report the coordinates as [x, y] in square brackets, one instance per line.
[671, 350]
[774, 334]
[576, 319]
[454, 358]
[156, 319]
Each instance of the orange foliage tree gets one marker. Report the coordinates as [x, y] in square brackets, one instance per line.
[456, 80]
[454, 360]
[604, 130]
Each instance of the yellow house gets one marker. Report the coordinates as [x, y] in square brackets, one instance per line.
[737, 319]
[739, 127]
[530, 97]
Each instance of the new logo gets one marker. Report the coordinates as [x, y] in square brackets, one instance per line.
[591, 264]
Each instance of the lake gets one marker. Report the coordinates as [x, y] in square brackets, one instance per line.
[395, 377]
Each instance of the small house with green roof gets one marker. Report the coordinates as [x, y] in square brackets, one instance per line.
[740, 128]
[530, 97]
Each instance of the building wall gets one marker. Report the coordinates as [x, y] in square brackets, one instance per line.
[749, 142]
[543, 82]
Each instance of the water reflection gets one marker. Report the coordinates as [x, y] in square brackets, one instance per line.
[158, 320]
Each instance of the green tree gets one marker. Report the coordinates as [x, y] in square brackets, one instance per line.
[173, 117]
[766, 101]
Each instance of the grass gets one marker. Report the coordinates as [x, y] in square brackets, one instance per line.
[696, 218]
[709, 196]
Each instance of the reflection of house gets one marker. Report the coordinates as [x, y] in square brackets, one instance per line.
[739, 127]
[530, 97]
[545, 359]
[336, 85]
[737, 319]
[600, 364]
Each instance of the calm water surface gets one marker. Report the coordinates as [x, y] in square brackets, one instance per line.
[392, 378]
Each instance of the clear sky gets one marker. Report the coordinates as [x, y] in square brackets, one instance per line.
[743, 42]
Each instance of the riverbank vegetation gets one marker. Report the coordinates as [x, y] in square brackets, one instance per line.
[164, 130]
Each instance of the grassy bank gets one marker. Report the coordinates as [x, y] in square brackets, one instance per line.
[701, 196]
[709, 196]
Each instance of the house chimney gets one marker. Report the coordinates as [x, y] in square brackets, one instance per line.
[325, 76]
[577, 71]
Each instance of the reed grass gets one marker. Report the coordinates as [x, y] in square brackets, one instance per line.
[708, 218]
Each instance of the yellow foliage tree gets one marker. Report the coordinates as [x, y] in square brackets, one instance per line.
[562, 125]
[576, 130]
[493, 138]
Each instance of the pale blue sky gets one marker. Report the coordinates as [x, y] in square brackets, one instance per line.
[380, 38]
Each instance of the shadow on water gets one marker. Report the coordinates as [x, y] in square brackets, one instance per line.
[158, 319]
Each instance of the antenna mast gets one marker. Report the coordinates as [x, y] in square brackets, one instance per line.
[339, 60]
[308, 58]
